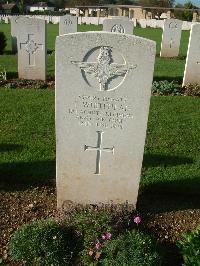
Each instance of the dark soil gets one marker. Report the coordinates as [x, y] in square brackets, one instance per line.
[164, 216]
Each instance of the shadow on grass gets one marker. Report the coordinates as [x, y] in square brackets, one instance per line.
[50, 52]
[153, 160]
[170, 79]
[170, 196]
[12, 75]
[4, 147]
[19, 176]
[9, 52]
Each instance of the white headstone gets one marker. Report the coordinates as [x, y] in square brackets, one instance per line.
[55, 19]
[68, 24]
[103, 88]
[118, 25]
[143, 23]
[6, 20]
[31, 43]
[171, 38]
[192, 66]
[15, 29]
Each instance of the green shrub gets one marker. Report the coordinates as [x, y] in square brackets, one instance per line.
[2, 42]
[43, 243]
[164, 87]
[190, 247]
[133, 248]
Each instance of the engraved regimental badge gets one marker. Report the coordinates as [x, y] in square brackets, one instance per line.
[104, 69]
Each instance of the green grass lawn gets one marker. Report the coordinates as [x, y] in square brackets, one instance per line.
[27, 133]
[164, 68]
[172, 151]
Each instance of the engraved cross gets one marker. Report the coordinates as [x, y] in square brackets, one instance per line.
[30, 46]
[99, 150]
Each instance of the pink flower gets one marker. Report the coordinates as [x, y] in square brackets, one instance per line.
[107, 236]
[137, 220]
[104, 237]
[98, 245]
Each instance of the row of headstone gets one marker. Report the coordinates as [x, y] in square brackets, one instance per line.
[29, 39]
[68, 24]
[29, 35]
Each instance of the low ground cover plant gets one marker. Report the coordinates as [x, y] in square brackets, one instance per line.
[44, 242]
[131, 248]
[164, 87]
[85, 236]
[190, 247]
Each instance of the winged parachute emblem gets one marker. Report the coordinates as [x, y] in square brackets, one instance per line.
[104, 70]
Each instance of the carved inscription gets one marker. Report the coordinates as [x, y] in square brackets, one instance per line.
[68, 22]
[173, 25]
[118, 29]
[101, 112]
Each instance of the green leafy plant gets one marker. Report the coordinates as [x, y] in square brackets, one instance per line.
[44, 242]
[164, 87]
[92, 224]
[131, 248]
[97, 224]
[190, 247]
[2, 42]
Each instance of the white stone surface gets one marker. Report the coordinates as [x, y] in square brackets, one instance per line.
[134, 22]
[15, 29]
[68, 24]
[186, 25]
[171, 38]
[118, 25]
[143, 23]
[192, 66]
[31, 43]
[118, 17]
[103, 88]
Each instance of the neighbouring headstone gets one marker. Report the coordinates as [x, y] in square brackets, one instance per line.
[192, 66]
[103, 88]
[15, 29]
[32, 52]
[171, 38]
[118, 25]
[68, 24]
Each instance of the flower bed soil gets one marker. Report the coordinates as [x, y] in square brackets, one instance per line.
[20, 205]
